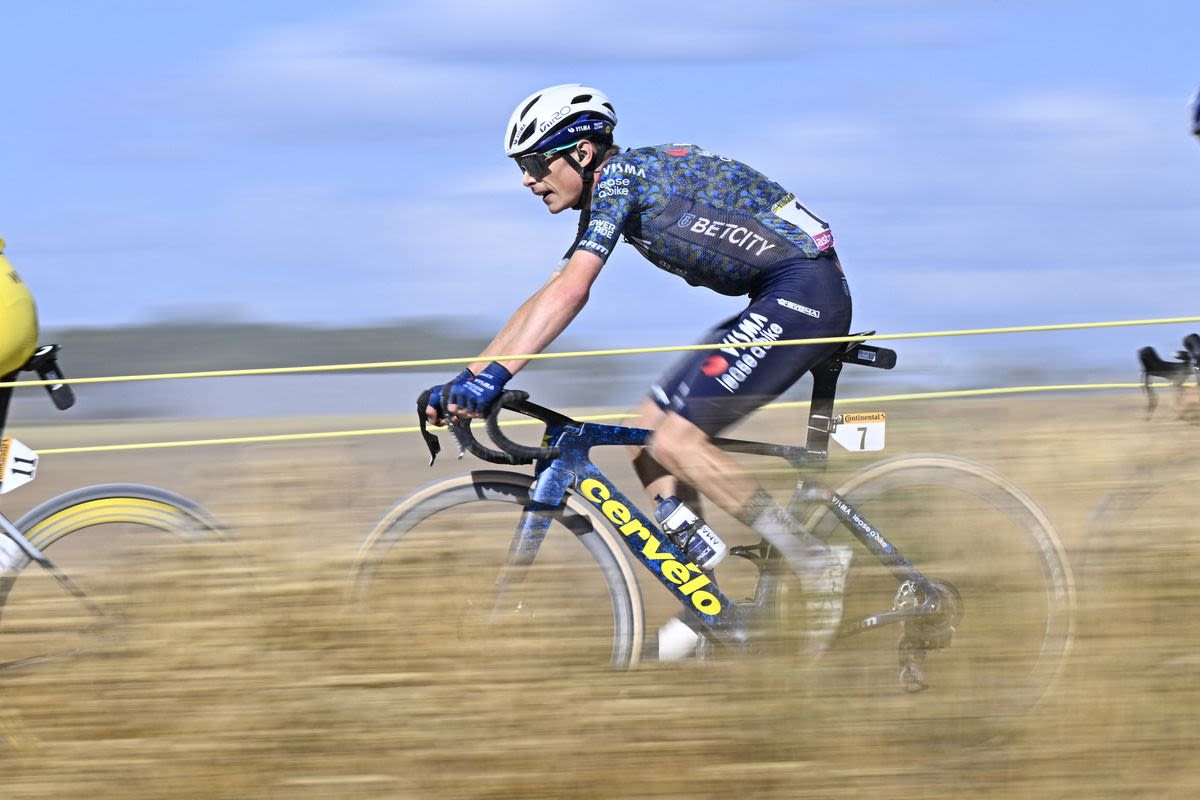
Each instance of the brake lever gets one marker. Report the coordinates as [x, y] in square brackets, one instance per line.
[431, 440]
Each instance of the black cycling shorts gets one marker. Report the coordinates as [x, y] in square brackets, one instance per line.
[806, 299]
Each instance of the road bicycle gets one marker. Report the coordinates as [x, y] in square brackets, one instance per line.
[1168, 465]
[967, 594]
[1184, 369]
[1145, 527]
[92, 532]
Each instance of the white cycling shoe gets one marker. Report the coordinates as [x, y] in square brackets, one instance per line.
[677, 641]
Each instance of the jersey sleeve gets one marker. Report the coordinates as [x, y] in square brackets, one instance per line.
[614, 200]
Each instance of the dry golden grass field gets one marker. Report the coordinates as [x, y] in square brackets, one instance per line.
[241, 672]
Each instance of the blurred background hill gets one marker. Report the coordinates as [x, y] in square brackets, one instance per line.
[192, 344]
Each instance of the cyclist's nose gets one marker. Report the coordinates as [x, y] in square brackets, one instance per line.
[527, 179]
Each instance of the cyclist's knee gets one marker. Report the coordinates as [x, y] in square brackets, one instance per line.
[676, 440]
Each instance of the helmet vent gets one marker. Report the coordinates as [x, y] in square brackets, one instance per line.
[531, 104]
[609, 106]
[530, 129]
[580, 98]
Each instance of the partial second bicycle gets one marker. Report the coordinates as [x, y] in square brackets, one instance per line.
[953, 583]
[1146, 524]
[1139, 558]
[79, 566]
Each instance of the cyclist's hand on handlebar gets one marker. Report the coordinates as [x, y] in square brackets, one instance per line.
[434, 411]
[473, 398]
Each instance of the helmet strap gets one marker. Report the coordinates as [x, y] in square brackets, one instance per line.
[588, 174]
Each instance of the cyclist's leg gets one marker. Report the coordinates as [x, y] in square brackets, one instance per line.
[711, 389]
[656, 479]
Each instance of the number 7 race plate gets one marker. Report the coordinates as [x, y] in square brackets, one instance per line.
[860, 432]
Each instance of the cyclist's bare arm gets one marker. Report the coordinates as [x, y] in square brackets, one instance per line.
[537, 323]
[545, 315]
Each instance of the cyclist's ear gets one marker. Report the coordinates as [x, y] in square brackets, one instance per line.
[583, 150]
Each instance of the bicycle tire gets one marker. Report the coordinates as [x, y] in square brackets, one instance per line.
[1137, 569]
[1150, 515]
[433, 510]
[114, 516]
[1005, 559]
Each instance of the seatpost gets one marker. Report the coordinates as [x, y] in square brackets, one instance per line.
[5, 396]
[820, 410]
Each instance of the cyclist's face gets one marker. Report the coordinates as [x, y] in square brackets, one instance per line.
[559, 188]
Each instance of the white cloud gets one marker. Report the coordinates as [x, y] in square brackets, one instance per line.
[401, 68]
[534, 33]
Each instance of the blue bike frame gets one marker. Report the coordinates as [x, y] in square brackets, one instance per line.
[725, 621]
[563, 464]
[574, 470]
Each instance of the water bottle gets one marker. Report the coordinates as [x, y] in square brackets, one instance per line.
[692, 534]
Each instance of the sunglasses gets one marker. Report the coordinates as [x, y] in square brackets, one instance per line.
[537, 165]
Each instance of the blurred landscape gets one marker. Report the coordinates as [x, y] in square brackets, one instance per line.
[187, 343]
[235, 185]
[245, 674]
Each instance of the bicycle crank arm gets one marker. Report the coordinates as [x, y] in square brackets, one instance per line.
[881, 620]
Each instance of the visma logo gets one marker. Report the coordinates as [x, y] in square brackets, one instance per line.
[686, 220]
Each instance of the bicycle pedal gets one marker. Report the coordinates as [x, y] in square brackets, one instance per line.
[912, 679]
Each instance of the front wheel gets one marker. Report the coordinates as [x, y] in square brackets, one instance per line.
[426, 579]
[108, 541]
[1009, 598]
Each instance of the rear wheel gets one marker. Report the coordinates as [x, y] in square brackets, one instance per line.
[1138, 596]
[1005, 622]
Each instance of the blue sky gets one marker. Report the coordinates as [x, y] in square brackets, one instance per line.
[982, 163]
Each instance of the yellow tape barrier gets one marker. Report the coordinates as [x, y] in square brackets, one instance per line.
[291, 437]
[432, 362]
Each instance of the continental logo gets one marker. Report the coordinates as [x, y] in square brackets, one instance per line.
[687, 577]
[867, 416]
[13, 276]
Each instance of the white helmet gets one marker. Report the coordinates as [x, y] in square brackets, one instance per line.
[558, 116]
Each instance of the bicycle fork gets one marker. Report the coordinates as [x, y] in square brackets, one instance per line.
[545, 500]
[719, 616]
[527, 541]
[31, 551]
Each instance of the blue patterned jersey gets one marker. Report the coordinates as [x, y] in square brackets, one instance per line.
[707, 218]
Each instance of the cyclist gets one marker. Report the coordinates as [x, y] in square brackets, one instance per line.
[716, 223]
[18, 321]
